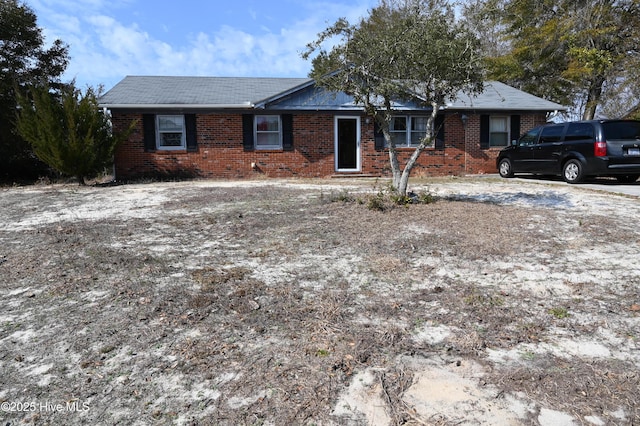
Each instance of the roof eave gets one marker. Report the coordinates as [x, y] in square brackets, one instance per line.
[246, 105]
[263, 103]
[514, 108]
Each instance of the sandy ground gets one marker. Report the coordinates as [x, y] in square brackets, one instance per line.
[290, 302]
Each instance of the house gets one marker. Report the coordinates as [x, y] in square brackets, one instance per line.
[223, 127]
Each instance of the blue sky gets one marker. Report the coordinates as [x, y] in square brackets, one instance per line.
[110, 39]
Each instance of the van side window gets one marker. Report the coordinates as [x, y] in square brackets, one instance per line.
[551, 134]
[579, 132]
[529, 138]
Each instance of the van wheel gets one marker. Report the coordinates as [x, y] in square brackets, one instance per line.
[505, 168]
[627, 178]
[573, 172]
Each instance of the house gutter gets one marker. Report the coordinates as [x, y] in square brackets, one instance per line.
[245, 105]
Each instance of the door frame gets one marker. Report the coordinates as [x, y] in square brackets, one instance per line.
[336, 142]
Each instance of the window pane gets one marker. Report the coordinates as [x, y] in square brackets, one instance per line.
[579, 131]
[170, 139]
[170, 123]
[268, 139]
[416, 137]
[418, 129]
[530, 138]
[419, 124]
[551, 134]
[621, 130]
[498, 139]
[399, 138]
[498, 124]
[399, 124]
[398, 129]
[267, 123]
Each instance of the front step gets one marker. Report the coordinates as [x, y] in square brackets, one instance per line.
[353, 175]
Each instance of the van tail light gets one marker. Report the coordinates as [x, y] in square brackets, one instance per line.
[600, 149]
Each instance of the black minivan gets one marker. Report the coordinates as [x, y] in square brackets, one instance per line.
[576, 150]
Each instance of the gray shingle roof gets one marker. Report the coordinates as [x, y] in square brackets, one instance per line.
[499, 96]
[245, 92]
[138, 91]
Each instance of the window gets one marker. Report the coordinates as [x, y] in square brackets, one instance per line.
[621, 130]
[551, 134]
[418, 129]
[398, 130]
[498, 131]
[531, 138]
[170, 132]
[579, 132]
[268, 134]
[408, 131]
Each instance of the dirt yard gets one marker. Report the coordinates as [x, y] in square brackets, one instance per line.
[293, 303]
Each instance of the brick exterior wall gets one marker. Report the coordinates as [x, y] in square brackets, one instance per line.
[220, 152]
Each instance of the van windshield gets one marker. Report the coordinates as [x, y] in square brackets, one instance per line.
[618, 130]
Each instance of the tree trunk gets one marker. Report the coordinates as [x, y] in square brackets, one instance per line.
[401, 177]
[429, 137]
[393, 159]
[594, 95]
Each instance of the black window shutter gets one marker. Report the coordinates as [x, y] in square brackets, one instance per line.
[149, 131]
[439, 131]
[247, 132]
[484, 131]
[190, 127]
[378, 136]
[287, 132]
[515, 127]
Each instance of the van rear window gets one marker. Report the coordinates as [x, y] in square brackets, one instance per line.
[618, 130]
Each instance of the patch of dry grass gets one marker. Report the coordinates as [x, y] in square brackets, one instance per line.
[258, 304]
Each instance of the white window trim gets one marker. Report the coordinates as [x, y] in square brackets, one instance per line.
[407, 143]
[183, 138]
[508, 117]
[406, 131]
[410, 132]
[255, 133]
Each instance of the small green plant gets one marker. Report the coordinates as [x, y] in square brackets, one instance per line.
[384, 198]
[559, 313]
[376, 202]
[322, 353]
[343, 196]
[426, 198]
[400, 199]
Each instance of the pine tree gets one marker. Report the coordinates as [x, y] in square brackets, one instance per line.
[24, 60]
[68, 132]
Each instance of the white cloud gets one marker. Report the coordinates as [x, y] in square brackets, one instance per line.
[103, 49]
